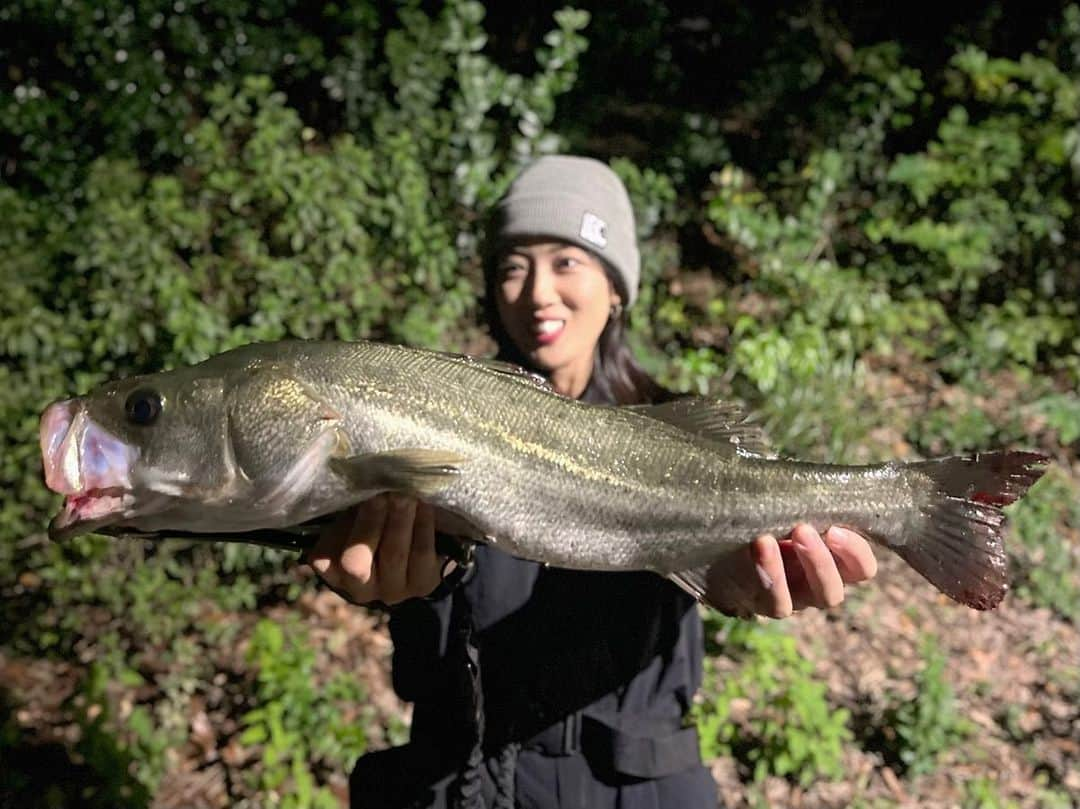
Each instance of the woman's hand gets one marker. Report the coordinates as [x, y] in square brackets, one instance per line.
[380, 550]
[805, 569]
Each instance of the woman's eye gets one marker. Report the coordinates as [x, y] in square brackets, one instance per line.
[566, 263]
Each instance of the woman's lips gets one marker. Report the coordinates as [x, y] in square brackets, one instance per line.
[546, 332]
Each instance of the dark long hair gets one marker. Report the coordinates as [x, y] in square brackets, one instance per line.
[617, 378]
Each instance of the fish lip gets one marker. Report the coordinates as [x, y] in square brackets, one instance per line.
[79, 456]
[54, 432]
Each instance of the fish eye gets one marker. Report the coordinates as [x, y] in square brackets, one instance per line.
[143, 406]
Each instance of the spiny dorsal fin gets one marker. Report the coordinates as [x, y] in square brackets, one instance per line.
[723, 422]
[502, 367]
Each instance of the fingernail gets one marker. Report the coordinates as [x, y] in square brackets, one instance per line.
[766, 579]
[321, 565]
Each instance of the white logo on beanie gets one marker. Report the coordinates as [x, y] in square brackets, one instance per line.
[593, 229]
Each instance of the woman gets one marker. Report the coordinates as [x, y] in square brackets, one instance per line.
[536, 686]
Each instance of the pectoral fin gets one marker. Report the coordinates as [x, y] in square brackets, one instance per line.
[417, 472]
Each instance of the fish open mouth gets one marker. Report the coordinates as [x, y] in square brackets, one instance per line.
[89, 466]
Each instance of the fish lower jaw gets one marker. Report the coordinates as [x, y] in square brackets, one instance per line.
[84, 511]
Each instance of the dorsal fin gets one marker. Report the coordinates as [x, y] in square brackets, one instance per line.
[501, 367]
[723, 422]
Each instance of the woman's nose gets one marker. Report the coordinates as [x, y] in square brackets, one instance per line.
[542, 289]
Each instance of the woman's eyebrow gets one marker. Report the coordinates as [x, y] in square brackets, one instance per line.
[566, 248]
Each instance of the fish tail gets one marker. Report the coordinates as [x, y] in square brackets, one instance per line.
[959, 548]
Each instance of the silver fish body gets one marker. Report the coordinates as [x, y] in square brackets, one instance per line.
[273, 435]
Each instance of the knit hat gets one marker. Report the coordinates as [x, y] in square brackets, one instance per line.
[577, 200]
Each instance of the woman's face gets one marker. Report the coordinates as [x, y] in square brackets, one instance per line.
[554, 300]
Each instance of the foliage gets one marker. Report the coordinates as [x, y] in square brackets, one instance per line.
[118, 77]
[859, 237]
[985, 793]
[266, 229]
[133, 241]
[789, 728]
[928, 723]
[294, 721]
[1047, 525]
[957, 252]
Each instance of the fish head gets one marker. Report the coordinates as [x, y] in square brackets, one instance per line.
[134, 447]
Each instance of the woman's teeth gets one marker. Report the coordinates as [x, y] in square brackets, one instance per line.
[550, 326]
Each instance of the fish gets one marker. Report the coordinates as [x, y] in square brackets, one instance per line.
[264, 441]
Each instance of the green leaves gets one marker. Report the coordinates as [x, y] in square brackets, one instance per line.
[143, 231]
[953, 250]
[771, 712]
[294, 722]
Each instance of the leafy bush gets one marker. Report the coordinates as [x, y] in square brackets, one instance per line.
[786, 725]
[295, 721]
[116, 78]
[238, 222]
[181, 178]
[958, 252]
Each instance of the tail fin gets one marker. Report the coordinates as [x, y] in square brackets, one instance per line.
[960, 551]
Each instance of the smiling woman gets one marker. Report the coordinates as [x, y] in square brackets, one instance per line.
[555, 299]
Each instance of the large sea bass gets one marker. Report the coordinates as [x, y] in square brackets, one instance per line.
[271, 436]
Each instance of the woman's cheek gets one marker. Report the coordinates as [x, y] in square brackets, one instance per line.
[510, 291]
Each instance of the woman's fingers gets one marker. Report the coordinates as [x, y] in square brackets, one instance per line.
[425, 568]
[392, 561]
[381, 550]
[853, 554]
[773, 592]
[355, 571]
[334, 539]
[826, 587]
[807, 569]
[344, 555]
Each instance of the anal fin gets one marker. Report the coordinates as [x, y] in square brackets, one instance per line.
[697, 583]
[691, 581]
[715, 587]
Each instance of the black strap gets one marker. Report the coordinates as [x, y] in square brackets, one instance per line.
[637, 746]
[467, 790]
[505, 776]
[561, 739]
[641, 746]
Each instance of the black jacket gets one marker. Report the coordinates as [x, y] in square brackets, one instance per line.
[588, 676]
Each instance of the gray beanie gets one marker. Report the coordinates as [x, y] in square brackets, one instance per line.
[577, 200]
